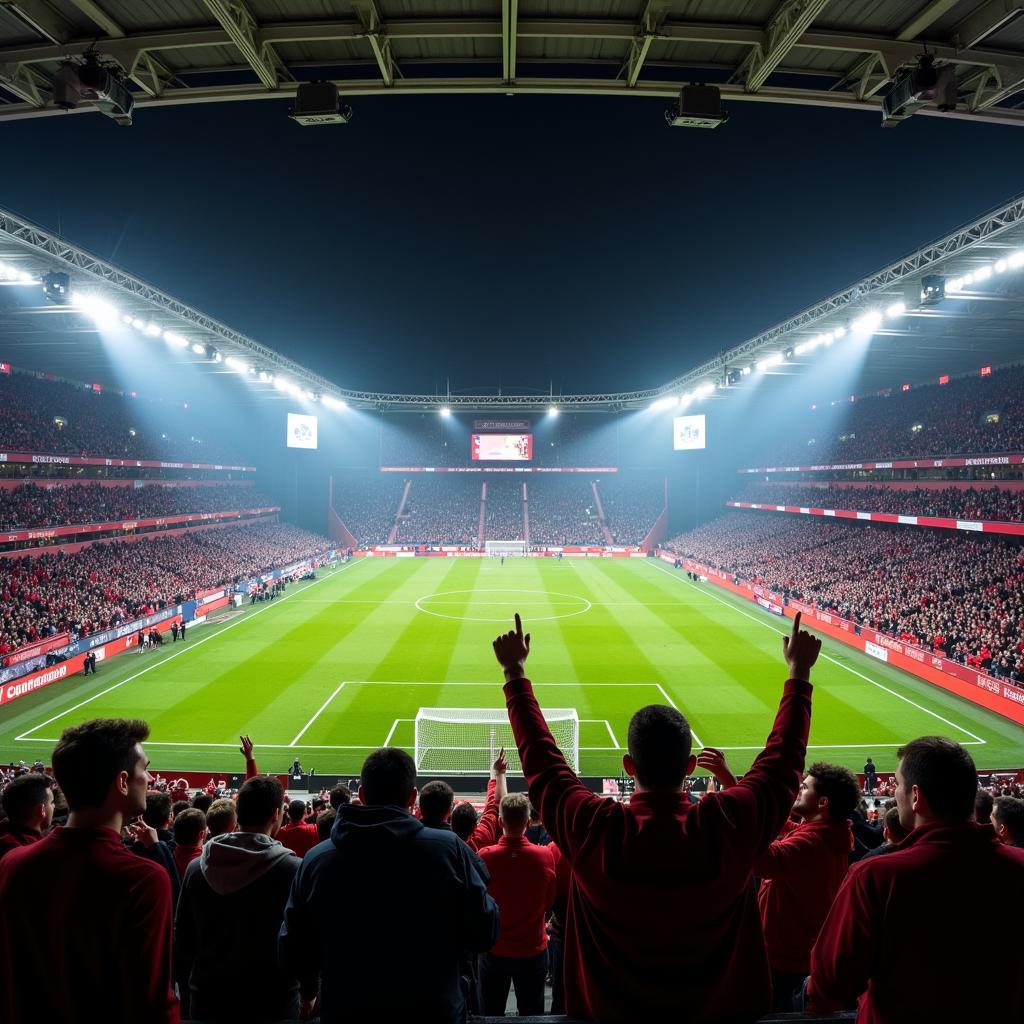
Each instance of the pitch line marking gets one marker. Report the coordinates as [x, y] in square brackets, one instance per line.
[191, 647]
[322, 708]
[852, 671]
[502, 590]
[665, 694]
[615, 742]
[422, 682]
[394, 726]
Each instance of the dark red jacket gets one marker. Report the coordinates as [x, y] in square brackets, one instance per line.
[488, 828]
[13, 837]
[85, 932]
[523, 885]
[663, 920]
[299, 838]
[802, 872]
[895, 937]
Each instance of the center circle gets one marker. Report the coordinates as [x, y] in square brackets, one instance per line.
[578, 605]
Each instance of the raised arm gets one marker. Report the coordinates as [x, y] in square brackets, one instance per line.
[488, 828]
[250, 763]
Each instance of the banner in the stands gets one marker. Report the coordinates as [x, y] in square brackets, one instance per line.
[81, 460]
[1015, 459]
[499, 469]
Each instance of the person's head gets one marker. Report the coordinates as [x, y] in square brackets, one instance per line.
[100, 766]
[340, 795]
[296, 811]
[28, 801]
[869, 761]
[202, 802]
[1008, 819]
[325, 822]
[388, 778]
[222, 817]
[178, 806]
[259, 805]
[464, 820]
[190, 827]
[935, 781]
[158, 810]
[659, 748]
[515, 813]
[436, 799]
[983, 807]
[892, 831]
[828, 792]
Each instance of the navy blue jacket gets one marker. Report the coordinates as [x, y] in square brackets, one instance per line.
[386, 907]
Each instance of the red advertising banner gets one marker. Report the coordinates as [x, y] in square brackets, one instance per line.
[31, 651]
[1014, 459]
[936, 522]
[499, 469]
[81, 460]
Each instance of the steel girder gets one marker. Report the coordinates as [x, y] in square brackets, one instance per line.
[788, 24]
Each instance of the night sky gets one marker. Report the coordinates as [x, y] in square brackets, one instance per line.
[521, 241]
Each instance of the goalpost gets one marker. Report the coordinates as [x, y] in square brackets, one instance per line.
[465, 741]
[515, 548]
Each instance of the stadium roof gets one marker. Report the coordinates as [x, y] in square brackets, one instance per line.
[834, 54]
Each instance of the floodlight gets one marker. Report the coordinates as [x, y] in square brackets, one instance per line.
[56, 287]
[746, 371]
[552, 411]
[867, 323]
[956, 285]
[153, 330]
[698, 106]
[311, 395]
[982, 273]
[1015, 259]
[896, 309]
[839, 332]
[445, 412]
[95, 308]
[334, 403]
[968, 279]
[999, 266]
[933, 289]
[234, 363]
[175, 339]
[127, 318]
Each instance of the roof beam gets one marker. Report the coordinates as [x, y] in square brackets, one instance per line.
[509, 35]
[23, 81]
[234, 17]
[377, 36]
[925, 18]
[646, 33]
[41, 18]
[789, 22]
[99, 17]
[986, 20]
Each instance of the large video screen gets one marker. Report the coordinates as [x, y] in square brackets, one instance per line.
[301, 430]
[689, 433]
[502, 447]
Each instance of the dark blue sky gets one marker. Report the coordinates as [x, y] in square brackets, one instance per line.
[521, 240]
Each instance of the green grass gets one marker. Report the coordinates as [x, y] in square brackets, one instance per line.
[275, 671]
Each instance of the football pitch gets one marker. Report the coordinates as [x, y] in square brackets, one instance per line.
[341, 665]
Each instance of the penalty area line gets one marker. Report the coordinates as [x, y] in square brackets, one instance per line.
[322, 707]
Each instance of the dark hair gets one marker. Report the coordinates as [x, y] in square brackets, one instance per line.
[983, 807]
[659, 744]
[436, 799]
[1009, 811]
[24, 794]
[178, 806]
[464, 819]
[188, 827]
[325, 822]
[202, 802]
[388, 777]
[257, 800]
[296, 810]
[892, 822]
[158, 809]
[837, 783]
[340, 795]
[945, 774]
[319, 805]
[88, 757]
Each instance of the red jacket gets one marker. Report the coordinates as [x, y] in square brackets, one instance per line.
[523, 885]
[13, 837]
[300, 838]
[85, 932]
[662, 915]
[802, 872]
[183, 856]
[488, 828]
[895, 937]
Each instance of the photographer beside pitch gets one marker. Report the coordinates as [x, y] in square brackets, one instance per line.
[663, 922]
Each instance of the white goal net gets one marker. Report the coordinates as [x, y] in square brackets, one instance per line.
[505, 547]
[465, 741]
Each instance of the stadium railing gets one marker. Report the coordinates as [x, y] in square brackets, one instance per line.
[772, 1018]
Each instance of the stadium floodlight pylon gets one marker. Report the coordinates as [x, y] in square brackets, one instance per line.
[505, 547]
[465, 741]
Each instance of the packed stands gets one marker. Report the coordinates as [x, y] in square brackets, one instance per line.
[959, 595]
[632, 502]
[368, 504]
[442, 510]
[969, 415]
[563, 510]
[993, 504]
[109, 584]
[30, 505]
[504, 509]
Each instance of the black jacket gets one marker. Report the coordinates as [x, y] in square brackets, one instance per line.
[225, 931]
[392, 905]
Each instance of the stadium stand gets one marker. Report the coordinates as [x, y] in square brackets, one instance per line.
[632, 501]
[441, 510]
[504, 509]
[367, 503]
[563, 511]
[959, 595]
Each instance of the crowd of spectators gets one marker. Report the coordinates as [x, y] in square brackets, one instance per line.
[504, 515]
[966, 416]
[993, 504]
[563, 510]
[367, 504]
[632, 502]
[56, 417]
[32, 505]
[105, 585]
[959, 595]
[442, 510]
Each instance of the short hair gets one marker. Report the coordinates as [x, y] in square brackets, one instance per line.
[296, 810]
[158, 809]
[340, 795]
[944, 772]
[464, 820]
[88, 757]
[891, 822]
[202, 802]
[188, 827]
[325, 822]
[1009, 811]
[258, 799]
[388, 777]
[515, 809]
[222, 816]
[659, 745]
[837, 783]
[983, 807]
[24, 794]
[436, 799]
[178, 806]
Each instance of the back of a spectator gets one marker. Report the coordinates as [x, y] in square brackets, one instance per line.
[1008, 820]
[297, 834]
[28, 805]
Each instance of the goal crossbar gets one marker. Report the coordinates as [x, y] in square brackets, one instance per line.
[505, 547]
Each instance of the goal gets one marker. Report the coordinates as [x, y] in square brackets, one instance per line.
[465, 741]
[505, 547]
